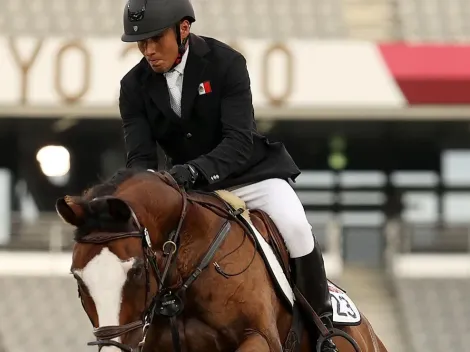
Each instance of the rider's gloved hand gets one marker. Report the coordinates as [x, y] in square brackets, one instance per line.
[185, 175]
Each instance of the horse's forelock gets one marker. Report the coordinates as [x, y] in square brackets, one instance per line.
[97, 217]
[98, 220]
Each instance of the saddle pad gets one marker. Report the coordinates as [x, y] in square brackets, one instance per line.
[274, 265]
[345, 311]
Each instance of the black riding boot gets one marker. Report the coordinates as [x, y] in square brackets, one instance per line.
[310, 279]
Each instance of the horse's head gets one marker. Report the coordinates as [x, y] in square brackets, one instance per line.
[117, 259]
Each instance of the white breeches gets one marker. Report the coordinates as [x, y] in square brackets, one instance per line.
[278, 199]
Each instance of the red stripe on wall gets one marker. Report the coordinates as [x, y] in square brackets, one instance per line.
[430, 74]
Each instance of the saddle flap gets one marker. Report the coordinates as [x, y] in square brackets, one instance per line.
[275, 240]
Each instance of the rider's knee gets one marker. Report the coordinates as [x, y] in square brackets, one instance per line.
[298, 236]
[297, 225]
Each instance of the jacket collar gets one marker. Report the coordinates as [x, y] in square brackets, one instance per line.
[194, 68]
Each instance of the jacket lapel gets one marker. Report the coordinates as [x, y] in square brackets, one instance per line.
[195, 65]
[193, 72]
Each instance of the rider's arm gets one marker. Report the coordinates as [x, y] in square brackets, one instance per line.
[237, 119]
[140, 145]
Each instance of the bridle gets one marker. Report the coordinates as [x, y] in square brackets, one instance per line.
[168, 302]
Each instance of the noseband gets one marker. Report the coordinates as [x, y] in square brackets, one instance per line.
[167, 302]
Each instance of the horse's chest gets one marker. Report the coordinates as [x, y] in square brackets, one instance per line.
[196, 335]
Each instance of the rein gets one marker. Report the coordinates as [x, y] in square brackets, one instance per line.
[167, 303]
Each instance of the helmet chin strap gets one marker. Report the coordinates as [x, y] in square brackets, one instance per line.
[181, 46]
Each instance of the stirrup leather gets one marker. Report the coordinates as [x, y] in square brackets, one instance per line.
[327, 319]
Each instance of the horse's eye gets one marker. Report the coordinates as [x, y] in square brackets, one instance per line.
[138, 273]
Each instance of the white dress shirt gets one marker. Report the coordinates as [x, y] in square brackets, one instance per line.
[174, 80]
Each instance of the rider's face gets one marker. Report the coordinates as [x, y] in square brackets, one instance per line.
[161, 51]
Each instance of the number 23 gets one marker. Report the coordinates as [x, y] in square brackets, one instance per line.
[349, 312]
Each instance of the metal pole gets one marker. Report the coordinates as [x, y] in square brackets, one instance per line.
[5, 206]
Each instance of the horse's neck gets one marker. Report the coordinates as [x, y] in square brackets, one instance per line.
[200, 227]
[160, 209]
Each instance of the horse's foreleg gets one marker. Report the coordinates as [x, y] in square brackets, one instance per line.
[256, 341]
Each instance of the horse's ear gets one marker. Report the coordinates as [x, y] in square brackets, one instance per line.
[71, 212]
[119, 210]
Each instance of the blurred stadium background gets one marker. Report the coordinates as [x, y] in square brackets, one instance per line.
[371, 97]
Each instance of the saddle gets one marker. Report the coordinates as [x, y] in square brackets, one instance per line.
[276, 257]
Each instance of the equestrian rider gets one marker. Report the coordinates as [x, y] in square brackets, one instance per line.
[192, 96]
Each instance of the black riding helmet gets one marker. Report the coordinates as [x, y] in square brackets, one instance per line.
[144, 19]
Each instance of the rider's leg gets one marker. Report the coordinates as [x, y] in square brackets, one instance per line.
[278, 199]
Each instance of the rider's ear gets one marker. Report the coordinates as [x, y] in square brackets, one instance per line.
[71, 212]
[119, 210]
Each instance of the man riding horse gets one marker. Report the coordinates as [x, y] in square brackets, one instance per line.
[192, 95]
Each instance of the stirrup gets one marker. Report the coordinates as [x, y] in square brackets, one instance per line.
[328, 345]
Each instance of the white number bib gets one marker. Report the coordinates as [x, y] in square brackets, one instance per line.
[345, 311]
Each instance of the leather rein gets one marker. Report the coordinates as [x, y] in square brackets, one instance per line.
[168, 302]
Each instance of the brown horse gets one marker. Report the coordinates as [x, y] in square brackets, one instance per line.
[159, 269]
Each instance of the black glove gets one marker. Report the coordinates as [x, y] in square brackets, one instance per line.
[185, 175]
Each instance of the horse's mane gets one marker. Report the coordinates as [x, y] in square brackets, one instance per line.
[110, 186]
[96, 217]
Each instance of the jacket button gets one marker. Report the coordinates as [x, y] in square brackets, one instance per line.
[189, 135]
